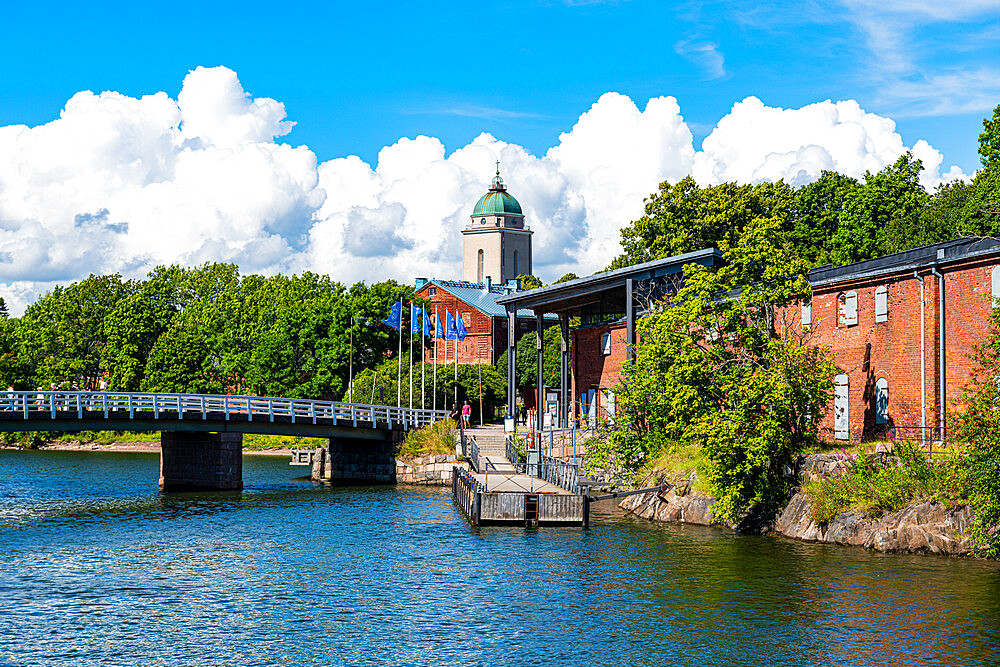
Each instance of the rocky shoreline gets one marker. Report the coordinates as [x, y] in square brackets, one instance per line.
[922, 527]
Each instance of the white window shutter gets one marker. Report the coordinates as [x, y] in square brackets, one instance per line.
[851, 309]
[807, 313]
[996, 284]
[881, 304]
[841, 412]
[606, 342]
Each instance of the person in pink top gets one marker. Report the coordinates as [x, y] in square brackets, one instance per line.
[466, 414]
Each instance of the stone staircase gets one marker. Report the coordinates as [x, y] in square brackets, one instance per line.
[492, 443]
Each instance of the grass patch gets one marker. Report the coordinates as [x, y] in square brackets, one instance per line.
[677, 460]
[107, 437]
[876, 484]
[438, 438]
[261, 441]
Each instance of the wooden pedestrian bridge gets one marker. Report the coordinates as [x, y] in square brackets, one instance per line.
[201, 435]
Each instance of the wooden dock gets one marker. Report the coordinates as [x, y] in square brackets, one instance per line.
[506, 497]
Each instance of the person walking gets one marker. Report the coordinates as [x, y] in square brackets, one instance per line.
[466, 415]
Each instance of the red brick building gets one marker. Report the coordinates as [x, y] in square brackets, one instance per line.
[486, 322]
[876, 316]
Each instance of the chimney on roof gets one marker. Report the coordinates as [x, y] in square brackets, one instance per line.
[488, 285]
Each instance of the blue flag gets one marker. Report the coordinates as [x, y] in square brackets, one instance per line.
[437, 321]
[426, 321]
[415, 319]
[450, 332]
[460, 332]
[395, 316]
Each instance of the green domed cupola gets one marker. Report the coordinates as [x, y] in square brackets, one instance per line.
[496, 245]
[497, 201]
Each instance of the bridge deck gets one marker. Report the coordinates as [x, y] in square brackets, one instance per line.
[77, 411]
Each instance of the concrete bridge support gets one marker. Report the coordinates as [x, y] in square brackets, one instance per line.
[360, 461]
[201, 461]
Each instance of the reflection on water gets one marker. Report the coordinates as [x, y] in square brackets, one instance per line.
[96, 567]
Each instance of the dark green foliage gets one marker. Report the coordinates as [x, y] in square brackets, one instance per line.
[979, 426]
[527, 359]
[529, 281]
[989, 139]
[877, 483]
[816, 215]
[368, 382]
[206, 329]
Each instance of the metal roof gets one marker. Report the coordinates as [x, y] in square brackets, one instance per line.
[475, 295]
[497, 202]
[935, 254]
[572, 292]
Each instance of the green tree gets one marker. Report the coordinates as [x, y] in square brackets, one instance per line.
[816, 215]
[882, 215]
[981, 211]
[979, 426]
[989, 139]
[181, 361]
[685, 217]
[62, 335]
[719, 366]
[527, 359]
[566, 278]
[529, 281]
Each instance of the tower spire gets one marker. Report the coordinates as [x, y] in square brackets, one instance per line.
[497, 181]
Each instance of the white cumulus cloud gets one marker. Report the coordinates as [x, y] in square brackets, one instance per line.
[121, 184]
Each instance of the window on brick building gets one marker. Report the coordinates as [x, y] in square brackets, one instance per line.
[807, 314]
[467, 319]
[881, 304]
[606, 342]
[434, 291]
[995, 283]
[882, 401]
[847, 309]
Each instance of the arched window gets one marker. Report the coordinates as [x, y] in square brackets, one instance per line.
[882, 401]
[479, 267]
[847, 309]
[516, 272]
[881, 304]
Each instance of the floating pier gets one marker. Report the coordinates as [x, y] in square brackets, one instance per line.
[515, 499]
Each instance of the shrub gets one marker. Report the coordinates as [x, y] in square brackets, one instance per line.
[438, 438]
[876, 483]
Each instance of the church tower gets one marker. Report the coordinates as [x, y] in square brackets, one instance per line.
[496, 245]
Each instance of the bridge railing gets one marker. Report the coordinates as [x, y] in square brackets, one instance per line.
[55, 405]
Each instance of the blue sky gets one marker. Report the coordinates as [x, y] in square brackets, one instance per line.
[358, 76]
[184, 153]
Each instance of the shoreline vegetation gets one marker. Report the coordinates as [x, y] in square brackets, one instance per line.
[111, 441]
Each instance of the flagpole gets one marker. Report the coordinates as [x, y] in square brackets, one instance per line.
[411, 355]
[434, 391]
[399, 360]
[423, 366]
[456, 357]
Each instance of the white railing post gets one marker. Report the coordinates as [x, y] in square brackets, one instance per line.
[291, 405]
[156, 408]
[225, 406]
[25, 405]
[312, 409]
[79, 407]
[180, 407]
[249, 410]
[270, 408]
[354, 415]
[203, 415]
[52, 404]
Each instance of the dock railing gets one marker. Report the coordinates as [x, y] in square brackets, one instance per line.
[473, 455]
[466, 491]
[52, 405]
[563, 474]
[513, 453]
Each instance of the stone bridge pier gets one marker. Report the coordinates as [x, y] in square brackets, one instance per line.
[196, 461]
[347, 461]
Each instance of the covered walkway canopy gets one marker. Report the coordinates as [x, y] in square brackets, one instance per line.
[602, 297]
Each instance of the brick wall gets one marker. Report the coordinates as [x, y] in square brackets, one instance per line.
[866, 352]
[591, 368]
[482, 330]
[890, 350]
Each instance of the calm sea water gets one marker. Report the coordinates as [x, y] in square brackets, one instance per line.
[97, 567]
